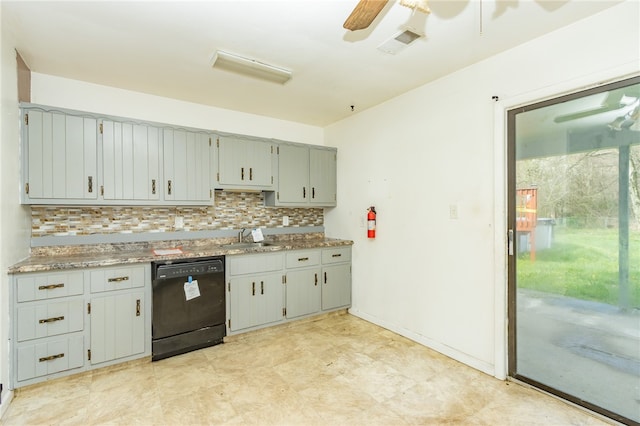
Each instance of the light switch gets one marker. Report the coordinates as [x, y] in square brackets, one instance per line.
[453, 211]
[285, 220]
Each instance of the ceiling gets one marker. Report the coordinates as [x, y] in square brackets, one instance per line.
[165, 47]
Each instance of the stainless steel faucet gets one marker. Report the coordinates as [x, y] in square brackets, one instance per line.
[241, 234]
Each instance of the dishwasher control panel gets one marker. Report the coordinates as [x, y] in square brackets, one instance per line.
[191, 268]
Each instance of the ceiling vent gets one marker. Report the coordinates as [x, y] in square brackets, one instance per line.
[249, 67]
[399, 41]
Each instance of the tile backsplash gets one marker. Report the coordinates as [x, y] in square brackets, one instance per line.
[232, 210]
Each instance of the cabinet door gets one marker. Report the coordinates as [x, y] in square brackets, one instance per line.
[255, 300]
[293, 174]
[186, 165]
[336, 286]
[322, 176]
[244, 163]
[233, 159]
[302, 292]
[62, 156]
[117, 326]
[130, 161]
[260, 173]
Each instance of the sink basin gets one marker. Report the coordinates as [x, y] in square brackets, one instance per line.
[248, 245]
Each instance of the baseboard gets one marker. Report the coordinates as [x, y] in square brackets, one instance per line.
[452, 353]
[7, 397]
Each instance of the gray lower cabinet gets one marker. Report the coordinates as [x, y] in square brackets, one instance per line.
[64, 319]
[117, 313]
[255, 300]
[269, 288]
[302, 283]
[336, 278]
[254, 291]
[49, 326]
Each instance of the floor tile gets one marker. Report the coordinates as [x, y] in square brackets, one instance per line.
[334, 370]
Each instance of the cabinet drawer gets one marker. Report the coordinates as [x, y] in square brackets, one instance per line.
[336, 255]
[49, 286]
[119, 278]
[252, 264]
[43, 358]
[300, 259]
[42, 320]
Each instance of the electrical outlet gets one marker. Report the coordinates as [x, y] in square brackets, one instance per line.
[285, 220]
[453, 211]
[179, 222]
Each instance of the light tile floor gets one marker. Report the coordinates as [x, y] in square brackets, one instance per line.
[337, 370]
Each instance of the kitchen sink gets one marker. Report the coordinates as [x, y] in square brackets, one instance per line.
[249, 245]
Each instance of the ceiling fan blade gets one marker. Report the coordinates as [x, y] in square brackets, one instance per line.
[363, 14]
[586, 113]
[611, 103]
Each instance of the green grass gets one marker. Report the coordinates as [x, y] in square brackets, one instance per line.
[582, 263]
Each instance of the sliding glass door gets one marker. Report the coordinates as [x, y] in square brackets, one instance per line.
[574, 231]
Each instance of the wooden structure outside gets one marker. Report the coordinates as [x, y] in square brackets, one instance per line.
[527, 215]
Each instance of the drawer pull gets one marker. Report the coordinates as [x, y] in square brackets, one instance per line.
[52, 357]
[137, 307]
[50, 286]
[118, 279]
[261, 287]
[253, 288]
[54, 319]
[303, 259]
[336, 255]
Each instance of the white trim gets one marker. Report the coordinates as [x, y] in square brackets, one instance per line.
[501, 328]
[6, 402]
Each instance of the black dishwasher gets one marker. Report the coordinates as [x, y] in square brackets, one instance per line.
[188, 305]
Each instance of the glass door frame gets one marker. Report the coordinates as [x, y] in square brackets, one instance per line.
[512, 249]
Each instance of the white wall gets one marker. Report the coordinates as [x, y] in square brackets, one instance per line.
[438, 280]
[14, 219]
[74, 94]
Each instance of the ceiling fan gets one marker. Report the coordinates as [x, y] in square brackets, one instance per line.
[612, 102]
[366, 11]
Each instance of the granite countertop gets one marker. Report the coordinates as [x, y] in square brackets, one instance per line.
[60, 258]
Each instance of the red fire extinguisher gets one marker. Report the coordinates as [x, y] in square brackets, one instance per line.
[371, 222]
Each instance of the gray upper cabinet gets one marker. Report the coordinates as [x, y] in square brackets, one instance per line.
[61, 157]
[306, 176]
[130, 161]
[187, 166]
[293, 174]
[244, 163]
[322, 176]
[78, 158]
